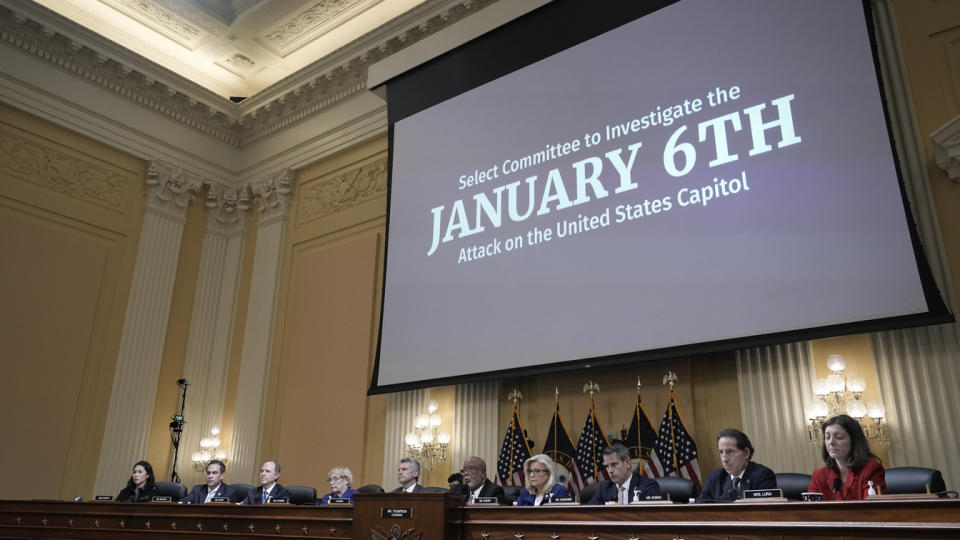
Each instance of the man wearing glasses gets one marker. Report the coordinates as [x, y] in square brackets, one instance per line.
[477, 485]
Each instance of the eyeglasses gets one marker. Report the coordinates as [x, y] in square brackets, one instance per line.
[333, 479]
[468, 470]
[538, 471]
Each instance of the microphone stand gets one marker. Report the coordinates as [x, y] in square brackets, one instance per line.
[176, 428]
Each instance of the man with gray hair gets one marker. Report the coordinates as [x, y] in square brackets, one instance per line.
[624, 485]
[269, 488]
[408, 474]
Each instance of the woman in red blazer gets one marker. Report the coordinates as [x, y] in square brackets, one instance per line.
[850, 465]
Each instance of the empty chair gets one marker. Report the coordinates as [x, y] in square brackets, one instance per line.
[679, 489]
[511, 493]
[588, 492]
[174, 490]
[908, 480]
[241, 490]
[433, 489]
[302, 495]
[370, 488]
[793, 484]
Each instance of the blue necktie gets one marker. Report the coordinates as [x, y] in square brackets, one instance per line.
[264, 501]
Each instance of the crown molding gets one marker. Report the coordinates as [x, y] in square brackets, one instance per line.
[331, 80]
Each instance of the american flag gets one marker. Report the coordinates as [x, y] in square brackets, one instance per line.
[560, 448]
[675, 448]
[589, 459]
[514, 451]
[640, 441]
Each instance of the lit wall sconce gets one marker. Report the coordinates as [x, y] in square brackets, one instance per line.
[427, 444]
[841, 395]
[209, 450]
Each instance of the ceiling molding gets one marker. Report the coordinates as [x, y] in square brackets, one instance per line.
[314, 89]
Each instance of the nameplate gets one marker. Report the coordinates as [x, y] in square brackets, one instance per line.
[653, 500]
[162, 498]
[762, 493]
[563, 500]
[220, 499]
[811, 496]
[103, 498]
[339, 500]
[277, 501]
[486, 500]
[396, 513]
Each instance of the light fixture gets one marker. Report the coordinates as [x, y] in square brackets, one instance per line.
[426, 443]
[209, 450]
[841, 395]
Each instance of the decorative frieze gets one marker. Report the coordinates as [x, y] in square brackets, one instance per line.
[328, 195]
[56, 170]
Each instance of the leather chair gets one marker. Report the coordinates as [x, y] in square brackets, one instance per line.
[370, 488]
[174, 490]
[913, 480]
[588, 492]
[433, 489]
[512, 493]
[302, 495]
[793, 484]
[681, 490]
[241, 491]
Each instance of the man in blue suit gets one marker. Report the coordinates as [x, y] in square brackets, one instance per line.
[624, 484]
[738, 473]
[214, 486]
[269, 488]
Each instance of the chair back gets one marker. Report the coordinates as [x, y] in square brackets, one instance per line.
[913, 480]
[433, 489]
[588, 492]
[793, 484]
[174, 490]
[512, 493]
[302, 495]
[680, 489]
[370, 488]
[241, 490]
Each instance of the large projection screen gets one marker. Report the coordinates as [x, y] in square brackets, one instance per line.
[712, 172]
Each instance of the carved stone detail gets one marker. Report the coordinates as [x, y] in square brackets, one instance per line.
[167, 19]
[310, 21]
[319, 93]
[273, 194]
[231, 204]
[329, 195]
[946, 148]
[171, 188]
[48, 167]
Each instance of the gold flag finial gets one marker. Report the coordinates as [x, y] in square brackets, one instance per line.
[638, 385]
[556, 394]
[514, 397]
[670, 378]
[591, 388]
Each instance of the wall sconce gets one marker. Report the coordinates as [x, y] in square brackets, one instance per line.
[841, 395]
[427, 444]
[209, 450]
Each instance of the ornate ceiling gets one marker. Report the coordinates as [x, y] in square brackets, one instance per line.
[232, 47]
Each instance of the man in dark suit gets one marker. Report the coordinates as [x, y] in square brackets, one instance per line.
[738, 473]
[269, 488]
[408, 474]
[214, 486]
[476, 484]
[624, 484]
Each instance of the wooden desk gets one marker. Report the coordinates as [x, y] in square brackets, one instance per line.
[438, 518]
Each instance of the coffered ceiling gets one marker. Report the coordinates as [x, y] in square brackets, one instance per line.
[232, 47]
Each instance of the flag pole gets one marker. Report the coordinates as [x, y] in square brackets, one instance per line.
[593, 388]
[671, 379]
[515, 396]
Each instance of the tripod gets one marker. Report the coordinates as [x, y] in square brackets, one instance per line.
[176, 428]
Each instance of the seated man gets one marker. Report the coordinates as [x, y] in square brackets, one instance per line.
[623, 484]
[408, 474]
[269, 489]
[476, 484]
[738, 472]
[214, 486]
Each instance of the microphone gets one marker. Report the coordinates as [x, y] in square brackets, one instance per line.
[837, 484]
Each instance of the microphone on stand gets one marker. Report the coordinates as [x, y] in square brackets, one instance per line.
[837, 484]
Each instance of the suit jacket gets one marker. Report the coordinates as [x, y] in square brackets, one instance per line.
[129, 494]
[854, 486]
[199, 494]
[608, 491]
[416, 489]
[255, 496]
[719, 486]
[529, 499]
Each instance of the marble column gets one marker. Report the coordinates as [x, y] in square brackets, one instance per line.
[145, 325]
[272, 194]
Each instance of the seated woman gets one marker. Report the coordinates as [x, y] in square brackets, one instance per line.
[738, 473]
[542, 484]
[850, 465]
[141, 487]
[340, 480]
